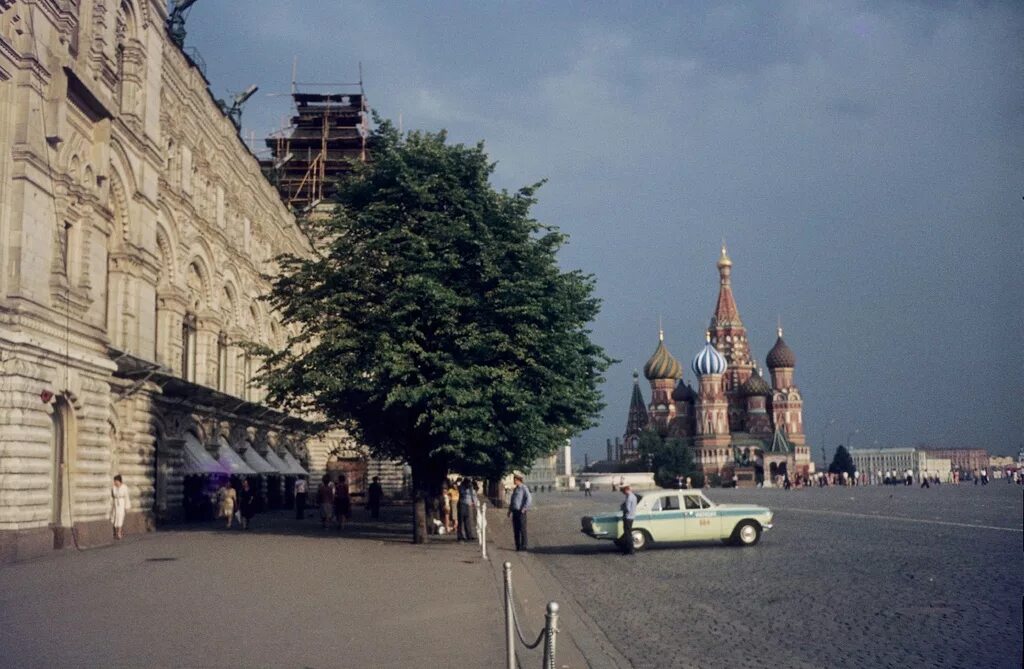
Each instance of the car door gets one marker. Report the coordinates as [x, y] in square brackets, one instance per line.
[692, 528]
[665, 520]
[709, 520]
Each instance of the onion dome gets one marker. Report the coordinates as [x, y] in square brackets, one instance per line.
[781, 355]
[709, 360]
[723, 260]
[755, 385]
[662, 365]
[683, 392]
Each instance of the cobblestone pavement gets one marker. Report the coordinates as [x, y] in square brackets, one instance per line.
[285, 594]
[849, 577]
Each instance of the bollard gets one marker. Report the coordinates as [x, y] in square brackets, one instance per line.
[510, 647]
[550, 630]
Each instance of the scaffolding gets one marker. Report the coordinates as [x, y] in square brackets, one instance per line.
[326, 136]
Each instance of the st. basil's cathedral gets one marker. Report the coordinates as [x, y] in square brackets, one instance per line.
[735, 421]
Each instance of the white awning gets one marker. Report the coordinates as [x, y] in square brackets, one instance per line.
[275, 461]
[232, 461]
[198, 460]
[256, 461]
[293, 465]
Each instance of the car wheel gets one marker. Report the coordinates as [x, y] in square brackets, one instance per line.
[747, 533]
[640, 540]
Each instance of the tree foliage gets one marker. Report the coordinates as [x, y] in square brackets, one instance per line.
[842, 462]
[433, 320]
[666, 457]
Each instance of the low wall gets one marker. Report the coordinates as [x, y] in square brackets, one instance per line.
[638, 480]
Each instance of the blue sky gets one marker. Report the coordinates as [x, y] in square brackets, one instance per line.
[863, 161]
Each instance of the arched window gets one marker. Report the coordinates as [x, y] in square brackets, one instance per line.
[188, 347]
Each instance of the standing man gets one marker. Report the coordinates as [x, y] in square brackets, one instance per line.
[628, 514]
[520, 503]
[586, 488]
[301, 491]
[374, 495]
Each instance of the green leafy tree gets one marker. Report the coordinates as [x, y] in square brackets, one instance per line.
[666, 457]
[434, 322]
[842, 462]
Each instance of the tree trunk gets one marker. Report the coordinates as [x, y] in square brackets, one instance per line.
[419, 517]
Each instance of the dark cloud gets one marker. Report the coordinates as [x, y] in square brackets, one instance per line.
[863, 161]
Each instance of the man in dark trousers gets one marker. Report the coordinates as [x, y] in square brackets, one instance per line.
[628, 514]
[518, 506]
[374, 495]
[301, 492]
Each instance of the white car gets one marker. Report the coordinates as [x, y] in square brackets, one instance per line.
[684, 515]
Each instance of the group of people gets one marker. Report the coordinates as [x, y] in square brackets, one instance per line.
[236, 504]
[458, 506]
[335, 500]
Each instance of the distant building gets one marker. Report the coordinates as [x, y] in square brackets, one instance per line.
[870, 461]
[964, 459]
[734, 417]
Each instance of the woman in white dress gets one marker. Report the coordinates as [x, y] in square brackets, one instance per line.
[119, 504]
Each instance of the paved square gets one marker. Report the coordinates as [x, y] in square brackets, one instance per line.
[849, 577]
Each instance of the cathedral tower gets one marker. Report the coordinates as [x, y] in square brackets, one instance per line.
[635, 424]
[729, 336]
[712, 442]
[787, 404]
[662, 370]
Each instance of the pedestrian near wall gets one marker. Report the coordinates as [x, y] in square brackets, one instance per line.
[374, 496]
[467, 511]
[325, 498]
[518, 507]
[586, 488]
[227, 502]
[453, 506]
[246, 503]
[120, 502]
[301, 493]
[628, 515]
[342, 502]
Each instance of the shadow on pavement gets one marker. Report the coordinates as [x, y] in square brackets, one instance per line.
[605, 547]
[393, 526]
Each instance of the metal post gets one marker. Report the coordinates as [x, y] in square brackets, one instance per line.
[550, 630]
[510, 647]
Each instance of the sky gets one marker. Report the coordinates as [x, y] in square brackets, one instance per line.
[863, 161]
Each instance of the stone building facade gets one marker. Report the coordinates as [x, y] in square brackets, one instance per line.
[135, 228]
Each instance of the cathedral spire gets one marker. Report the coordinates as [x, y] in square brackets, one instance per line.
[637, 421]
[726, 312]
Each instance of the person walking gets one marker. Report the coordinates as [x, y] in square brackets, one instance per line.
[227, 502]
[342, 502]
[374, 496]
[586, 488]
[246, 503]
[628, 515]
[325, 498]
[120, 502]
[453, 506]
[467, 511]
[518, 507]
[301, 493]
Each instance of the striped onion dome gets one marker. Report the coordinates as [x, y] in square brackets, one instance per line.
[755, 385]
[709, 360]
[662, 365]
[781, 355]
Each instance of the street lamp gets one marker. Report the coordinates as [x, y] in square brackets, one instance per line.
[849, 439]
[824, 442]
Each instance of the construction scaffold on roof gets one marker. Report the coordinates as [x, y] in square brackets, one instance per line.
[326, 137]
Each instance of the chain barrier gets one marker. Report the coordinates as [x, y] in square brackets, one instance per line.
[512, 629]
